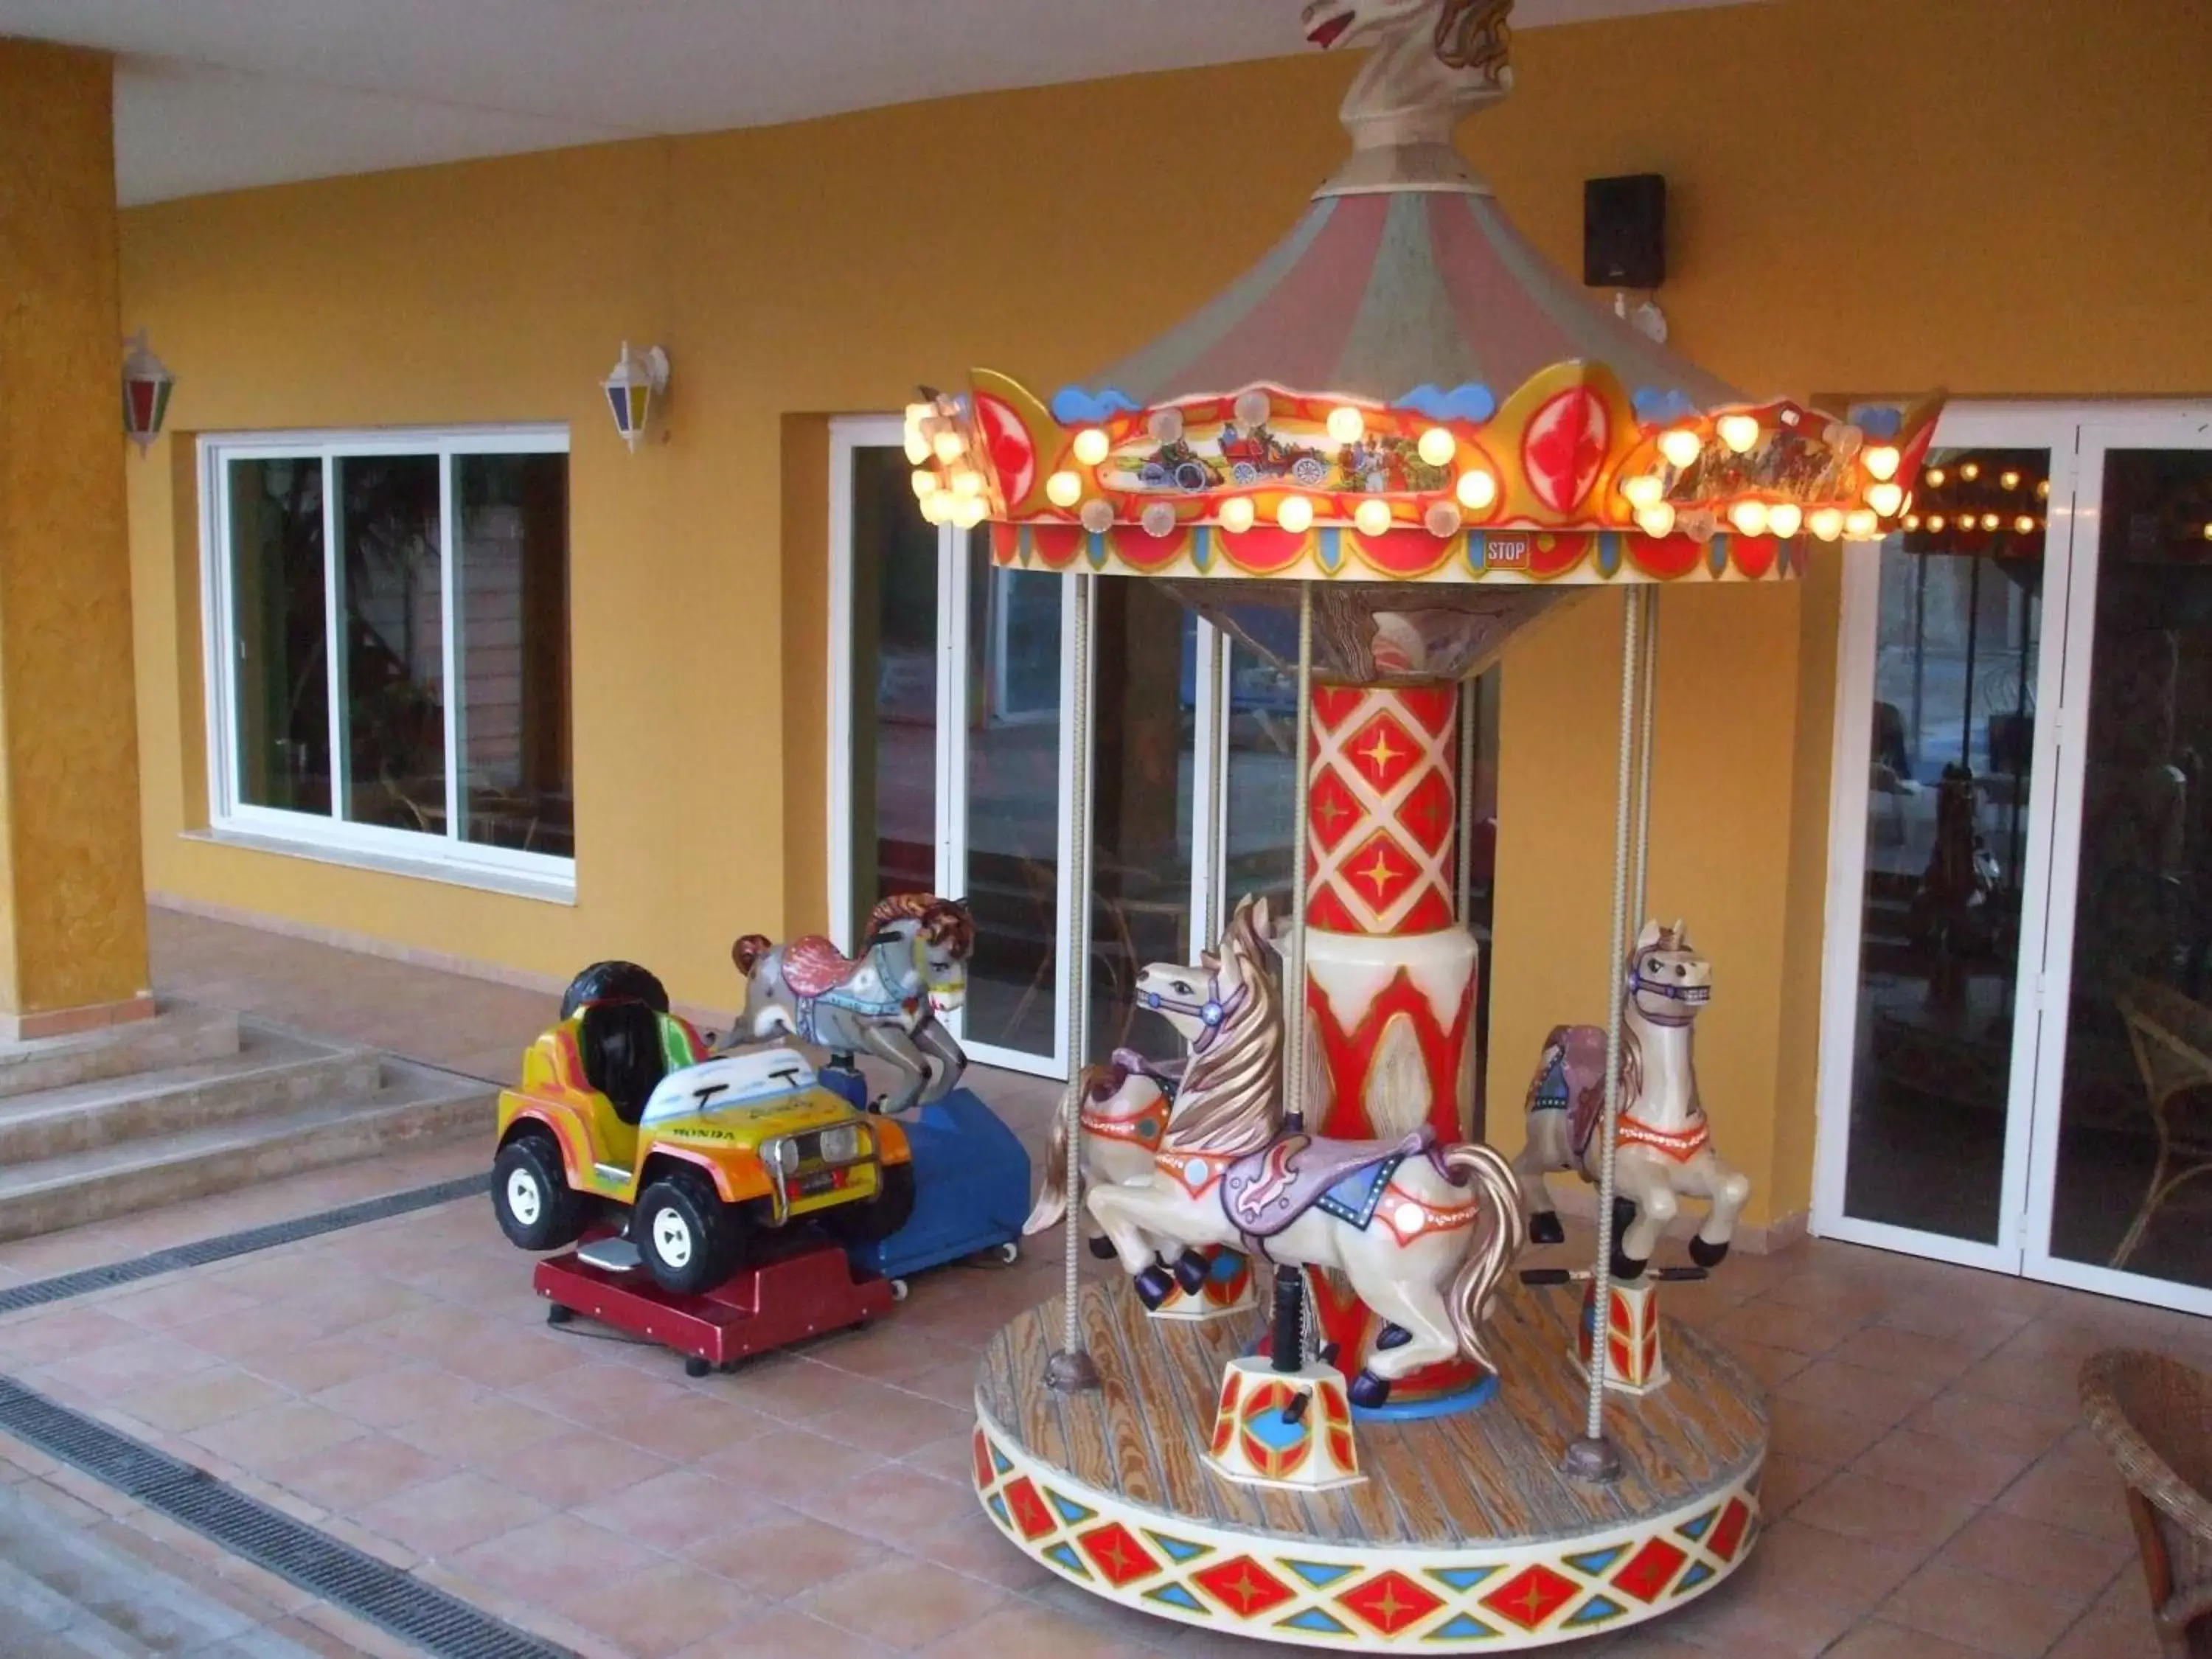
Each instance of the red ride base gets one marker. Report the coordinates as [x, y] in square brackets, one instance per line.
[777, 1303]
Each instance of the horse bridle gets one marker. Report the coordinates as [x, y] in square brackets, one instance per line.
[1209, 1013]
[1692, 997]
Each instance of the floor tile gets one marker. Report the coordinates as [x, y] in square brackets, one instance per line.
[547, 1560]
[673, 1511]
[440, 1518]
[1883, 1513]
[571, 1469]
[902, 1603]
[1995, 1425]
[1794, 1560]
[403, 1394]
[1939, 1465]
[784, 1556]
[1880, 1640]
[1835, 1384]
[269, 1439]
[351, 1476]
[213, 1395]
[891, 1504]
[2058, 1492]
[1024, 1628]
[660, 1610]
[2042, 1557]
[781, 1633]
[2000, 1616]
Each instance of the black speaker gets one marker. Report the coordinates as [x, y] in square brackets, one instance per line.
[1625, 231]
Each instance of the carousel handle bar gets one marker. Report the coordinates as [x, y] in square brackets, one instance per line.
[1584, 1275]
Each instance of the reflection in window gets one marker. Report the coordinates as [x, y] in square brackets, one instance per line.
[275, 510]
[392, 573]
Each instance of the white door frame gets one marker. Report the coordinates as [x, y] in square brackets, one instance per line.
[2074, 435]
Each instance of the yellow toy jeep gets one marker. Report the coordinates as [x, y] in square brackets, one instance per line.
[623, 1115]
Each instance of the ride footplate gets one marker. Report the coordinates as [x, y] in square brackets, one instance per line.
[769, 1305]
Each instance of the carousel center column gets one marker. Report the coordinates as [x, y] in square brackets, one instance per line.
[1390, 971]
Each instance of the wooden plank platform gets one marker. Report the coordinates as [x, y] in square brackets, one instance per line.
[1489, 1475]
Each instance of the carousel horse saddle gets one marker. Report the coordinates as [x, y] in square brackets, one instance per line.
[813, 966]
[1266, 1191]
[1573, 1080]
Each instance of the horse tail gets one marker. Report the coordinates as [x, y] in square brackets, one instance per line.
[1474, 1291]
[748, 950]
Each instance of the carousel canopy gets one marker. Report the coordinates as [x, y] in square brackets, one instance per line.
[1404, 390]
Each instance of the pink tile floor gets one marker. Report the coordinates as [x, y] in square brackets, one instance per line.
[1930, 1493]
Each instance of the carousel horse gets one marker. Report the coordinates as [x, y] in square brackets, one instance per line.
[1424, 1232]
[1662, 1145]
[1125, 1104]
[1433, 61]
[883, 1001]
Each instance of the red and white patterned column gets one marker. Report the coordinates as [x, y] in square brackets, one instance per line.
[1390, 972]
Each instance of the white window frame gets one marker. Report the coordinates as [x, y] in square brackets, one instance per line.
[332, 838]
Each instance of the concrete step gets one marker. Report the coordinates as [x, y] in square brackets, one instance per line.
[411, 1104]
[269, 1071]
[180, 1033]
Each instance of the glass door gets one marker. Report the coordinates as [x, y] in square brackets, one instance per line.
[2120, 1196]
[1944, 787]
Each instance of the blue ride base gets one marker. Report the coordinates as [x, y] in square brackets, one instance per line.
[971, 1183]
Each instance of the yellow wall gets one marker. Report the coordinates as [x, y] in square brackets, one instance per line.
[72, 916]
[1866, 195]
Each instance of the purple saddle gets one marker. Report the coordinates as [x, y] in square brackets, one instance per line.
[1266, 1191]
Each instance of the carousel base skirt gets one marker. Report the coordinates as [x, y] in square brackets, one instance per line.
[1463, 1536]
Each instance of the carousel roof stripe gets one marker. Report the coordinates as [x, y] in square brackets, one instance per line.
[1370, 297]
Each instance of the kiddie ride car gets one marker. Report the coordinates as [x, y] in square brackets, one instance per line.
[701, 1184]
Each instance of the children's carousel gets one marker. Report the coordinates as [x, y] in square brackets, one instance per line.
[1399, 439]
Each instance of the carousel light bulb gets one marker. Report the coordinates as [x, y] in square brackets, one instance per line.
[1158, 519]
[950, 447]
[1990, 521]
[1373, 517]
[1237, 514]
[2010, 479]
[1681, 446]
[2043, 490]
[1786, 520]
[1477, 489]
[1296, 514]
[1346, 424]
[924, 484]
[1861, 527]
[1936, 523]
[1097, 516]
[1738, 432]
[1886, 498]
[970, 511]
[937, 509]
[1063, 488]
[2026, 525]
[1165, 426]
[1935, 477]
[1970, 471]
[1827, 523]
[1913, 521]
[1749, 518]
[2207, 532]
[1647, 490]
[1882, 462]
[916, 414]
[917, 448]
[1656, 520]
[967, 483]
[1437, 447]
[1442, 520]
[1092, 446]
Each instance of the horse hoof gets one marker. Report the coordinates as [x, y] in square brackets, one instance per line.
[1328, 1354]
[1544, 1228]
[1627, 1269]
[1191, 1272]
[1154, 1285]
[1103, 1248]
[1368, 1390]
[1708, 1256]
[1394, 1336]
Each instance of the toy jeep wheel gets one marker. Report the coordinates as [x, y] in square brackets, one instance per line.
[880, 1217]
[538, 1208]
[689, 1237]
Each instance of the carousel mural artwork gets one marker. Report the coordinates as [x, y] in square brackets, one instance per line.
[1398, 440]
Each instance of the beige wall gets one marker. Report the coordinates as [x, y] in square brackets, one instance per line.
[1866, 195]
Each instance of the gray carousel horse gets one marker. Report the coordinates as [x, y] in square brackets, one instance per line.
[912, 967]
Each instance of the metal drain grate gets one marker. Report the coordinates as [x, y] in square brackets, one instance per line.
[440, 1624]
[61, 1287]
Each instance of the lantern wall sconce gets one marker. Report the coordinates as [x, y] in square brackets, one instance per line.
[146, 385]
[630, 388]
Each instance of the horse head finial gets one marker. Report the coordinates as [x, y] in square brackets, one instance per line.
[1434, 61]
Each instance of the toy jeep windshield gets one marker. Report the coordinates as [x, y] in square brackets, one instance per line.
[622, 1117]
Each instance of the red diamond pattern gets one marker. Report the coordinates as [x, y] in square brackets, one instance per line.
[1728, 1531]
[1379, 872]
[1530, 1597]
[1382, 752]
[1426, 812]
[1115, 1550]
[1651, 1569]
[1028, 1510]
[984, 1472]
[1331, 812]
[1390, 1601]
[1333, 705]
[1242, 1585]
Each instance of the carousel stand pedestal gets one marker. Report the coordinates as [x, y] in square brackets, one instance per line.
[802, 1292]
[1634, 1364]
[1287, 1429]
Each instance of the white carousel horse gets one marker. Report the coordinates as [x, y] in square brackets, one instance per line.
[1433, 61]
[1663, 1146]
[1424, 1232]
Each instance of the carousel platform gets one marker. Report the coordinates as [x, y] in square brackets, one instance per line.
[1462, 1537]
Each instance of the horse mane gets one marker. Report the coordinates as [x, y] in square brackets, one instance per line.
[1232, 1098]
[940, 921]
[1472, 34]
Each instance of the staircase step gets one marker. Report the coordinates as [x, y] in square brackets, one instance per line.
[180, 1033]
[412, 1103]
[268, 1073]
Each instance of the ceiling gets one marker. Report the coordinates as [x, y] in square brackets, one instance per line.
[220, 95]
